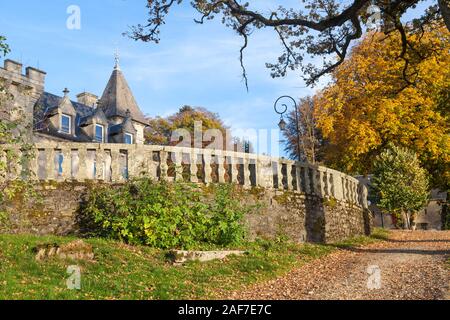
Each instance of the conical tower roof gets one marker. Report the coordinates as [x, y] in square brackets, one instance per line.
[117, 98]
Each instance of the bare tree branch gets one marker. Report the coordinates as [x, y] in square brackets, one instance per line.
[324, 28]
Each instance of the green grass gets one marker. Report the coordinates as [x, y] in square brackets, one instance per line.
[377, 234]
[125, 272]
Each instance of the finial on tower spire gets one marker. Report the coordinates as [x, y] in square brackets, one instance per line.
[117, 59]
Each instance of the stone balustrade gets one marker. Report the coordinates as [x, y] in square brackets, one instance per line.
[116, 163]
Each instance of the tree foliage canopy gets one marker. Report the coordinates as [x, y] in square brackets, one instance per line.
[4, 48]
[160, 129]
[399, 182]
[367, 106]
[325, 28]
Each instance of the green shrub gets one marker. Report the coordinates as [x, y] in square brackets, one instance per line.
[399, 184]
[166, 215]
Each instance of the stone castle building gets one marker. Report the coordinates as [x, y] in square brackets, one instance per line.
[114, 118]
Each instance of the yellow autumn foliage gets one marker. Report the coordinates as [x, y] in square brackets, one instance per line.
[369, 104]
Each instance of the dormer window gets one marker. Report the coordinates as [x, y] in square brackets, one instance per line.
[128, 138]
[99, 133]
[66, 124]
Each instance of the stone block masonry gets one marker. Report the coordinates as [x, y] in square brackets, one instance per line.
[301, 218]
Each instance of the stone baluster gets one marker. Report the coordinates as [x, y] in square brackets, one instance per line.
[307, 177]
[115, 165]
[66, 164]
[33, 164]
[234, 169]
[329, 183]
[355, 192]
[337, 186]
[163, 167]
[178, 166]
[264, 173]
[332, 180]
[100, 164]
[207, 166]
[298, 176]
[247, 173]
[289, 179]
[344, 188]
[351, 190]
[323, 182]
[193, 167]
[221, 170]
[152, 166]
[280, 175]
[138, 161]
[108, 165]
[132, 163]
[51, 168]
[82, 154]
[315, 187]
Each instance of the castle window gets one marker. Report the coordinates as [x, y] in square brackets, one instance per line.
[66, 124]
[128, 138]
[99, 133]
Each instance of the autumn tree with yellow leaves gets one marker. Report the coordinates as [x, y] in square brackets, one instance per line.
[374, 100]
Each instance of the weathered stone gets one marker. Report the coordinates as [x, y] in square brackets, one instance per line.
[75, 250]
[180, 256]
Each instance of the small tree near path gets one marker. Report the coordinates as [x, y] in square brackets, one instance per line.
[400, 184]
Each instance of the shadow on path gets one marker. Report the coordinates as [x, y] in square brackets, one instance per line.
[406, 251]
[419, 241]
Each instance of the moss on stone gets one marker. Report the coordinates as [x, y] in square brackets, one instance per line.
[330, 202]
[257, 192]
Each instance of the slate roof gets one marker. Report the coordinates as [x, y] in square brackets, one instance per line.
[125, 126]
[117, 99]
[97, 114]
[51, 101]
[47, 104]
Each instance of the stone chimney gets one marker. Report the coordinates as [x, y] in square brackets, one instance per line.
[88, 99]
[35, 74]
[13, 66]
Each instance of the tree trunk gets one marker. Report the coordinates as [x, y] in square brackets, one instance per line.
[405, 217]
[444, 6]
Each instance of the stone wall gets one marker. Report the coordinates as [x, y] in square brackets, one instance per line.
[305, 218]
[298, 216]
[26, 89]
[304, 201]
[116, 163]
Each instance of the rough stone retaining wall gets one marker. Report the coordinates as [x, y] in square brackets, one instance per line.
[283, 213]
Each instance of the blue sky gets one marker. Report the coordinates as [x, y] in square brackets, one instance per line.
[194, 64]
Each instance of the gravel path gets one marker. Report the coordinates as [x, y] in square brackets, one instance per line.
[412, 265]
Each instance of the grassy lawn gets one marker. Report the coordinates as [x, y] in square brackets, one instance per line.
[125, 272]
